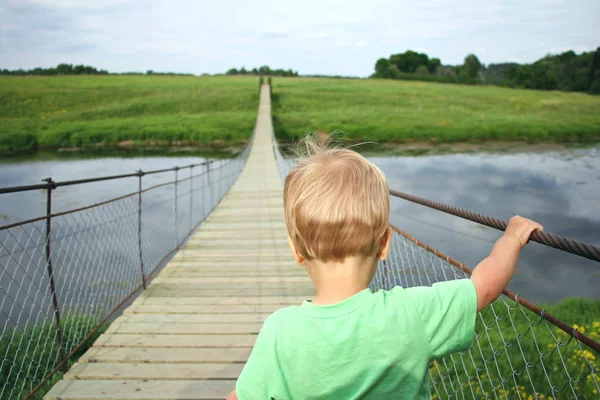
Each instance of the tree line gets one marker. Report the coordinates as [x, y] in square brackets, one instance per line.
[61, 69]
[264, 70]
[567, 71]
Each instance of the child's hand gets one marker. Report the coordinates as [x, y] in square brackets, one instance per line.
[521, 228]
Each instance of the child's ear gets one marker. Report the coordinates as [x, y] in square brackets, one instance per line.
[299, 259]
[384, 244]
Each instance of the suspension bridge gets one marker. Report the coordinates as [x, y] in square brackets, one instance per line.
[195, 266]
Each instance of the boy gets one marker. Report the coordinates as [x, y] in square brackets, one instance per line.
[350, 343]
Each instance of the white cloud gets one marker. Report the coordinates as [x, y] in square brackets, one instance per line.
[312, 36]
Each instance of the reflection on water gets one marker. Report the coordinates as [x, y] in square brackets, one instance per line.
[98, 254]
[560, 190]
[20, 206]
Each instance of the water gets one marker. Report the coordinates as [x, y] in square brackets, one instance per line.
[97, 253]
[559, 189]
[20, 206]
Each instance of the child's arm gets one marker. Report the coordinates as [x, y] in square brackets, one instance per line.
[232, 396]
[492, 275]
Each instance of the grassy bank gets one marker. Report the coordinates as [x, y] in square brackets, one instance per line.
[30, 354]
[129, 111]
[396, 111]
[506, 338]
[102, 112]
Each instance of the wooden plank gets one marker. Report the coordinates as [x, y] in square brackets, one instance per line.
[202, 309]
[240, 264]
[242, 228]
[234, 279]
[262, 266]
[182, 285]
[148, 327]
[171, 341]
[236, 255]
[197, 318]
[187, 292]
[121, 371]
[248, 244]
[140, 390]
[183, 272]
[164, 355]
[163, 301]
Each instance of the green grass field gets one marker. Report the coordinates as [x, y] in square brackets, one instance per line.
[402, 111]
[100, 111]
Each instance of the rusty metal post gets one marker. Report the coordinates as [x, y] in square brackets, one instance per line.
[140, 174]
[59, 341]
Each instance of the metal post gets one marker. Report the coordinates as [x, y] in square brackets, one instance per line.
[191, 196]
[140, 174]
[175, 207]
[208, 181]
[61, 349]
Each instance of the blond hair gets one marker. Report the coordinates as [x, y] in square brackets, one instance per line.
[336, 202]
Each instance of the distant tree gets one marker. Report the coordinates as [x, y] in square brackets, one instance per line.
[594, 75]
[149, 72]
[381, 67]
[422, 70]
[64, 69]
[231, 71]
[472, 66]
[393, 72]
[433, 64]
[409, 61]
[445, 72]
[243, 71]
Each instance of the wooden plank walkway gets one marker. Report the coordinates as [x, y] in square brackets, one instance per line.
[189, 334]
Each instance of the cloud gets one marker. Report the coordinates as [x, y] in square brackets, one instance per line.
[203, 36]
[275, 33]
[318, 35]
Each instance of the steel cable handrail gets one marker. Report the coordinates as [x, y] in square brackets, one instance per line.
[545, 238]
[510, 294]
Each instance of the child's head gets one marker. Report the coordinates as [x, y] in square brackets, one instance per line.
[336, 203]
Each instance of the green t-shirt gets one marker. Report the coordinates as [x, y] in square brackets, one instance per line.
[370, 346]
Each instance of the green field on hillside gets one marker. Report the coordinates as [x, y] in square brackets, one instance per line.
[401, 111]
[101, 111]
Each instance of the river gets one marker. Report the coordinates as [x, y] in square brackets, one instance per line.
[560, 189]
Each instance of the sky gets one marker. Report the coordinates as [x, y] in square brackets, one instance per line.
[332, 37]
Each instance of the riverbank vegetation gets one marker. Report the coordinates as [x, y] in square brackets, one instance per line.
[98, 112]
[506, 337]
[30, 354]
[391, 111]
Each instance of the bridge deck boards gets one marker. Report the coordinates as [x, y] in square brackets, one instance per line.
[188, 335]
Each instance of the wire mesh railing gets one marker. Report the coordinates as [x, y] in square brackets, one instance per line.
[63, 275]
[519, 351]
